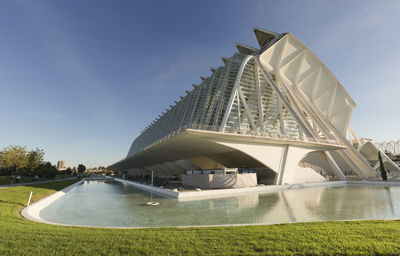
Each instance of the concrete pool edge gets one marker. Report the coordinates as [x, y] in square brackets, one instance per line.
[32, 212]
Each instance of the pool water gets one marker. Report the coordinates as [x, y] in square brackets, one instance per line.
[113, 204]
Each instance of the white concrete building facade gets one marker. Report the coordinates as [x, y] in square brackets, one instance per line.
[277, 109]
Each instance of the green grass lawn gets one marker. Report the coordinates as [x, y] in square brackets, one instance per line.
[22, 237]
[6, 180]
[63, 176]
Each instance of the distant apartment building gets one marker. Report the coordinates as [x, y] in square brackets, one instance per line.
[61, 165]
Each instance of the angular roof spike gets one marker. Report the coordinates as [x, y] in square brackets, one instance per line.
[203, 78]
[175, 102]
[224, 59]
[245, 49]
[187, 92]
[171, 106]
[213, 69]
[264, 37]
[181, 97]
[195, 85]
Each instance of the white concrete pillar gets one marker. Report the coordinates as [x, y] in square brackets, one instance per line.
[279, 176]
[332, 164]
[293, 173]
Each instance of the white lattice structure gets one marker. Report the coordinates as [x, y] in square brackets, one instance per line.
[392, 147]
[277, 107]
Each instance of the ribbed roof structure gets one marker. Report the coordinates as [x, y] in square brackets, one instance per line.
[247, 95]
[280, 92]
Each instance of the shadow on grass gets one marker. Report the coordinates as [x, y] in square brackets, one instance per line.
[7, 202]
[56, 185]
[49, 184]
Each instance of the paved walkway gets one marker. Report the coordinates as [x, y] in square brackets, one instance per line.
[36, 182]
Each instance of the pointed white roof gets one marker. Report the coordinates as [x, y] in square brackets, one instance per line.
[224, 59]
[245, 49]
[264, 37]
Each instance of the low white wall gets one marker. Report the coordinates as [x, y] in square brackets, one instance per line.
[204, 194]
[161, 191]
[220, 181]
[32, 212]
[212, 193]
[374, 182]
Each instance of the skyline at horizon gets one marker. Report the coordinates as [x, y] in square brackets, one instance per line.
[80, 80]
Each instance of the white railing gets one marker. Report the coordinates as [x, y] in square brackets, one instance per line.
[231, 130]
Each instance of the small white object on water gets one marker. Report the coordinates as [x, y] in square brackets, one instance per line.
[153, 203]
[197, 189]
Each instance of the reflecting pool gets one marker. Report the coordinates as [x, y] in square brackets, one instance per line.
[113, 204]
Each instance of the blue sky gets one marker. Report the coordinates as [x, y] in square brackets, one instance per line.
[80, 79]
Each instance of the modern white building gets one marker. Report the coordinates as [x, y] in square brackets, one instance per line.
[276, 109]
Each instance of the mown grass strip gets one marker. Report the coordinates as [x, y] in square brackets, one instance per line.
[6, 180]
[19, 236]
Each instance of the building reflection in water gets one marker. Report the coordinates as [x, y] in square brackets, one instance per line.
[114, 204]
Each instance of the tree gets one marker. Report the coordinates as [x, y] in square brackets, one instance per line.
[14, 158]
[46, 170]
[81, 168]
[68, 171]
[35, 158]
